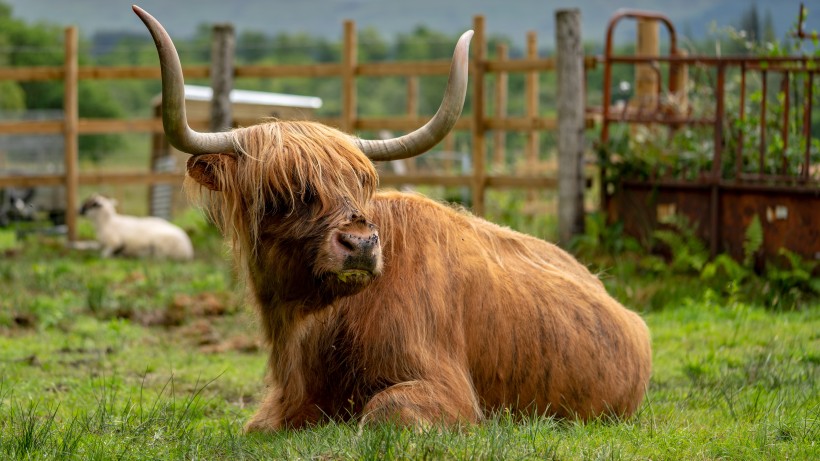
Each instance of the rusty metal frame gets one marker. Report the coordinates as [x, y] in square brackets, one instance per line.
[800, 33]
[778, 182]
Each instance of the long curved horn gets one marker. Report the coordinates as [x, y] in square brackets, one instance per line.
[436, 129]
[174, 120]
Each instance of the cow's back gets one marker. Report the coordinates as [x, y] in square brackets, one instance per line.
[537, 329]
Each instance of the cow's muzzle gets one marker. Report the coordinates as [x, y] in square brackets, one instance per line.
[359, 252]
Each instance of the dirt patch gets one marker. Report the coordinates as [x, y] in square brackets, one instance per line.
[24, 320]
[237, 343]
[184, 308]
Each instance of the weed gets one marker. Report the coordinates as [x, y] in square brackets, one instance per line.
[8, 241]
[788, 287]
[601, 237]
[96, 296]
[688, 253]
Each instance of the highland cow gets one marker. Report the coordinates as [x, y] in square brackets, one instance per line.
[389, 306]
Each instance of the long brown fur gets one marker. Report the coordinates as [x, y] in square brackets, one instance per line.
[464, 316]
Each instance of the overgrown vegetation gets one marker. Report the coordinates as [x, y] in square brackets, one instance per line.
[762, 141]
[686, 153]
[678, 258]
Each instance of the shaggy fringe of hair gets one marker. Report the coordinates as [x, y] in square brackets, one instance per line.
[280, 167]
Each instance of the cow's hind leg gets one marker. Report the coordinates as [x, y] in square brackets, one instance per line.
[446, 400]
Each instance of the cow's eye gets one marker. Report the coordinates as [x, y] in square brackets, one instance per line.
[309, 195]
[271, 207]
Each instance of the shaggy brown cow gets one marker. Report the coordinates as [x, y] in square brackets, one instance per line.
[387, 306]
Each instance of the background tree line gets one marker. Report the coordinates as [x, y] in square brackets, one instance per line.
[23, 44]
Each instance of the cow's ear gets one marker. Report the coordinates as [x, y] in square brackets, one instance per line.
[209, 170]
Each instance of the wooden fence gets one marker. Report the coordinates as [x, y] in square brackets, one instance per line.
[348, 70]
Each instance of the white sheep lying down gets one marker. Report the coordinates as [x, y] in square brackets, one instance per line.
[135, 236]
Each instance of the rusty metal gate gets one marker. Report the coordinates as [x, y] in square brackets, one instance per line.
[741, 130]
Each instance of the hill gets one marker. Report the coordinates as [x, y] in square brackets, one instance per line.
[511, 18]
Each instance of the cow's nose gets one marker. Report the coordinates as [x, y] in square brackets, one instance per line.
[358, 250]
[352, 243]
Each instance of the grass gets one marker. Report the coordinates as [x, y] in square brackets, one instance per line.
[127, 359]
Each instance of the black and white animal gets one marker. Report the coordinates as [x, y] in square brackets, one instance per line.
[16, 205]
[135, 236]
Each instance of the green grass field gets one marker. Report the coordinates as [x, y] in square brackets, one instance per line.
[127, 359]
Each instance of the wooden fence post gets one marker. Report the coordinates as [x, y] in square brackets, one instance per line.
[678, 86]
[501, 88]
[479, 127]
[70, 131]
[413, 95]
[222, 58]
[570, 79]
[349, 58]
[412, 111]
[647, 83]
[531, 94]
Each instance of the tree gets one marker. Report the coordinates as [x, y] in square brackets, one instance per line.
[750, 23]
[12, 97]
[769, 35]
[251, 46]
[41, 45]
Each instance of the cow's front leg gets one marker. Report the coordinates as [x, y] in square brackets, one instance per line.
[276, 412]
[268, 417]
[447, 398]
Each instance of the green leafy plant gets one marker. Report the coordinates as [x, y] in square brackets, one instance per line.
[753, 241]
[788, 287]
[602, 237]
[688, 253]
[724, 268]
[781, 286]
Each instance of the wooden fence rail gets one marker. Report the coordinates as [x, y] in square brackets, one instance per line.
[348, 70]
